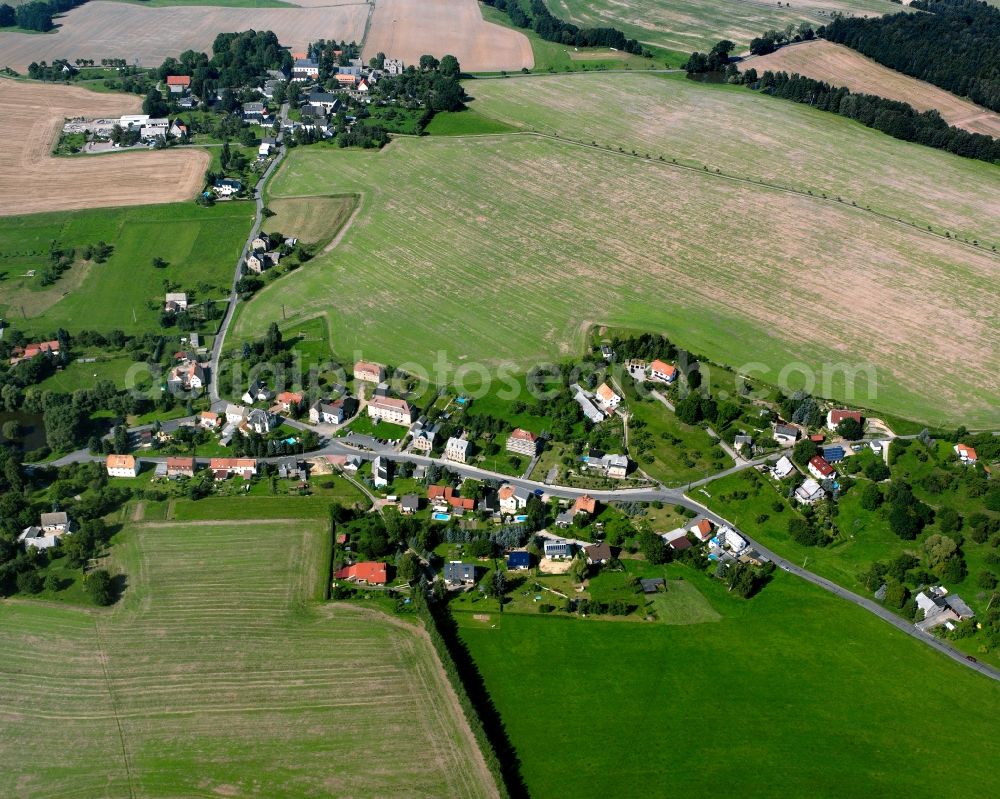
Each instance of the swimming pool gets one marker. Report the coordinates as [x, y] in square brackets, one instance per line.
[521, 518]
[441, 517]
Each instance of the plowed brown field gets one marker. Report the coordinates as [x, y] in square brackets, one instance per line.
[32, 180]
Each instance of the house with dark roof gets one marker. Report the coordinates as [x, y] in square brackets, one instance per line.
[519, 560]
[458, 573]
[786, 433]
[409, 504]
[598, 554]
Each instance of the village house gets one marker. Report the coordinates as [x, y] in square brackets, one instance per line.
[186, 377]
[519, 560]
[175, 301]
[662, 371]
[154, 128]
[227, 187]
[390, 409]
[558, 549]
[293, 469]
[346, 81]
[444, 497]
[409, 504]
[235, 414]
[223, 468]
[178, 84]
[742, 441]
[585, 504]
[258, 262]
[288, 401]
[522, 442]
[614, 466]
[590, 410]
[457, 450]
[46, 534]
[180, 467]
[255, 112]
[458, 573]
[786, 434]
[267, 145]
[809, 492]
[941, 608]
[606, 398]
[122, 466]
[966, 454]
[178, 129]
[702, 530]
[259, 421]
[209, 420]
[368, 572]
[512, 499]
[679, 544]
[820, 468]
[369, 372]
[331, 412]
[423, 434]
[837, 415]
[304, 69]
[327, 102]
[783, 468]
[29, 351]
[598, 554]
[393, 66]
[381, 471]
[257, 392]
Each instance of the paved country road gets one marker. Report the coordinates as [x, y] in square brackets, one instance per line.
[369, 449]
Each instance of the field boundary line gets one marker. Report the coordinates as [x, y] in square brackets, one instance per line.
[103, 658]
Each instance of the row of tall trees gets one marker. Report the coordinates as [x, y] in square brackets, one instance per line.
[895, 118]
[954, 46]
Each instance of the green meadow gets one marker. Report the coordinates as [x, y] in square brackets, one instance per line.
[200, 245]
[223, 672]
[793, 693]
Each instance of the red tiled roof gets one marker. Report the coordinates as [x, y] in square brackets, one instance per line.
[680, 543]
[704, 528]
[180, 463]
[819, 463]
[178, 80]
[837, 416]
[662, 366]
[585, 504]
[367, 571]
[523, 435]
[121, 461]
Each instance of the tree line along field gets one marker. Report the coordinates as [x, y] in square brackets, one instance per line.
[691, 25]
[792, 693]
[750, 135]
[512, 247]
[219, 674]
[840, 66]
[201, 246]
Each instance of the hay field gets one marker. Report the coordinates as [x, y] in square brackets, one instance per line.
[32, 180]
[688, 25]
[408, 29]
[507, 248]
[312, 220]
[764, 138]
[842, 66]
[219, 675]
[148, 35]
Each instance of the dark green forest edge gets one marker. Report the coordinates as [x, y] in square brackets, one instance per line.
[553, 29]
[953, 47]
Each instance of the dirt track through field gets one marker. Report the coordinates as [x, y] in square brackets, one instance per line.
[408, 29]
[148, 35]
[841, 66]
[32, 180]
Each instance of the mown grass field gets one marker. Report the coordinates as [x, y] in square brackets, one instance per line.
[201, 246]
[794, 693]
[507, 249]
[219, 674]
[761, 138]
[312, 220]
[690, 25]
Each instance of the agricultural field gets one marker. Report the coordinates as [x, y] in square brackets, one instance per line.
[841, 66]
[312, 220]
[146, 36]
[220, 673]
[200, 245]
[448, 212]
[804, 693]
[31, 116]
[408, 29]
[691, 25]
[760, 138]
